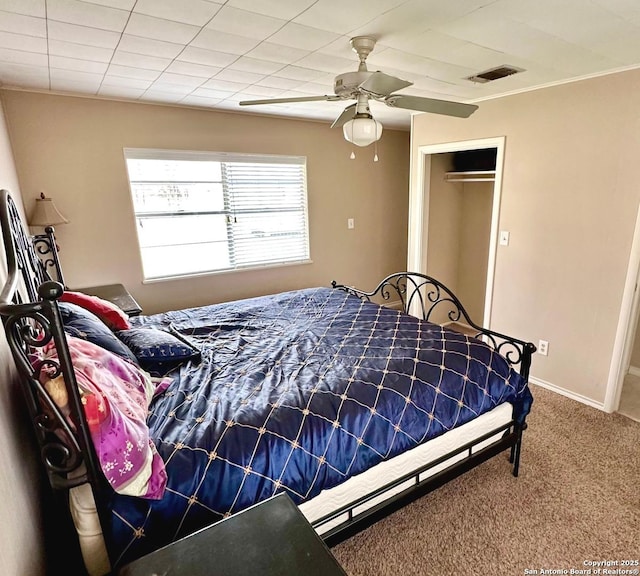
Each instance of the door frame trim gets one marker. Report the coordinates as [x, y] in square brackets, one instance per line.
[419, 209]
[627, 322]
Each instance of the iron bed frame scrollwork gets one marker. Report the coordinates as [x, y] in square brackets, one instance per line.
[31, 318]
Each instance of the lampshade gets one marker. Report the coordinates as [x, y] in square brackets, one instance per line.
[362, 131]
[45, 213]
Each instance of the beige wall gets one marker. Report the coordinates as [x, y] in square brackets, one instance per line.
[458, 236]
[569, 199]
[443, 244]
[72, 149]
[21, 539]
[473, 255]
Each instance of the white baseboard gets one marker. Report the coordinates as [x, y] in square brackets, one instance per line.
[634, 370]
[567, 393]
[395, 304]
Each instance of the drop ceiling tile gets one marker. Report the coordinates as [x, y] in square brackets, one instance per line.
[124, 82]
[140, 60]
[159, 29]
[480, 59]
[21, 57]
[190, 82]
[82, 13]
[238, 76]
[341, 47]
[162, 97]
[623, 48]
[20, 24]
[120, 92]
[27, 7]
[245, 23]
[225, 85]
[83, 35]
[196, 12]
[277, 53]
[430, 44]
[228, 105]
[328, 63]
[212, 94]
[275, 82]
[262, 67]
[575, 21]
[150, 47]
[627, 9]
[24, 76]
[122, 4]
[241, 97]
[199, 101]
[60, 75]
[298, 73]
[75, 87]
[262, 91]
[222, 42]
[169, 88]
[303, 37]
[191, 69]
[285, 9]
[129, 72]
[65, 63]
[315, 89]
[83, 52]
[331, 14]
[206, 57]
[26, 43]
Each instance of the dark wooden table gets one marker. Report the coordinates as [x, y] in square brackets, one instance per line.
[115, 293]
[272, 538]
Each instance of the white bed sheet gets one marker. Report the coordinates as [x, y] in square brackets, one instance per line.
[87, 524]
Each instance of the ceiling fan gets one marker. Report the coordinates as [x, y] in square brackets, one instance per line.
[358, 125]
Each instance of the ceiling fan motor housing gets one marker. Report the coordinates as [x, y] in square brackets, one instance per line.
[346, 85]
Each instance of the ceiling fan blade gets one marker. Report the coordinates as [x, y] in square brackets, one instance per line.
[432, 105]
[286, 100]
[347, 114]
[382, 84]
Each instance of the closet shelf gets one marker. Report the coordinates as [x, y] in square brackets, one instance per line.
[471, 176]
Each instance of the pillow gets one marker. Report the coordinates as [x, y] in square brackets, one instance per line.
[81, 323]
[115, 397]
[156, 350]
[108, 312]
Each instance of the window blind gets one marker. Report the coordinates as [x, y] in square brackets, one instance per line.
[200, 212]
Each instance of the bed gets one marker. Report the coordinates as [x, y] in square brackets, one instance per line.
[354, 403]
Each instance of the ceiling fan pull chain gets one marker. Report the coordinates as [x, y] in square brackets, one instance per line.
[375, 151]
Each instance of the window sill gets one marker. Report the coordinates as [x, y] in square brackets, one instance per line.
[225, 271]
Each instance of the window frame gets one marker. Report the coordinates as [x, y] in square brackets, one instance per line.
[222, 157]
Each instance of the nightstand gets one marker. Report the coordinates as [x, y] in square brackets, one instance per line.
[272, 538]
[115, 293]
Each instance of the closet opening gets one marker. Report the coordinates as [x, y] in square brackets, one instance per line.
[454, 210]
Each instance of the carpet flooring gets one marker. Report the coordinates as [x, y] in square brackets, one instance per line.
[577, 499]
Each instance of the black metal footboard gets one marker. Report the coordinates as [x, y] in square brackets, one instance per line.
[429, 299]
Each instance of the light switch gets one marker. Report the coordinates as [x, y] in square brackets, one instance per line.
[504, 238]
[351, 223]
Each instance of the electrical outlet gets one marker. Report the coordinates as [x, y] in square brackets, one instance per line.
[351, 224]
[543, 347]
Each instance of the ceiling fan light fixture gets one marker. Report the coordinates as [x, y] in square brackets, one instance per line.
[362, 131]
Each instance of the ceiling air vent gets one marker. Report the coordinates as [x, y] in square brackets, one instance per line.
[495, 74]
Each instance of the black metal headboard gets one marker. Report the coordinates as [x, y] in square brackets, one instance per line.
[428, 298]
[31, 319]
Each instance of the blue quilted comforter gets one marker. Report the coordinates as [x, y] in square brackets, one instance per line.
[297, 392]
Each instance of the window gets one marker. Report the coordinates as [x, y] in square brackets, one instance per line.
[199, 212]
